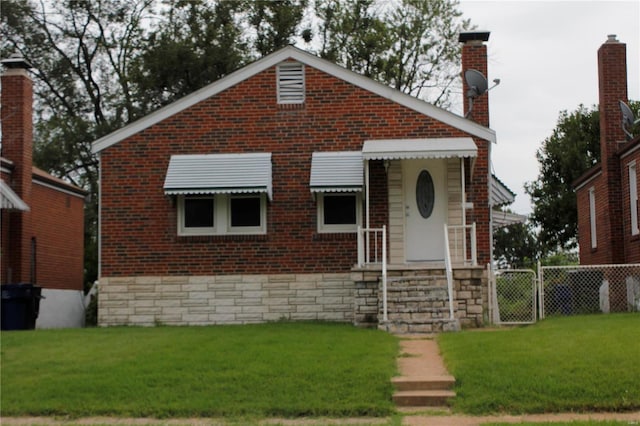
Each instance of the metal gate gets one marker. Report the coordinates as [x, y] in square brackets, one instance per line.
[513, 296]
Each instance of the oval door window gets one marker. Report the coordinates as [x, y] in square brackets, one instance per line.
[425, 194]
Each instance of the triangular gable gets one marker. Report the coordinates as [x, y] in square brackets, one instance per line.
[308, 59]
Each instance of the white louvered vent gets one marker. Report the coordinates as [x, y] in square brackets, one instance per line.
[290, 83]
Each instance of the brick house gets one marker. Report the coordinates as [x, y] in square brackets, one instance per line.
[607, 194]
[41, 216]
[263, 196]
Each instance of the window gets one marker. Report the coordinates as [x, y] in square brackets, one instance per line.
[339, 212]
[198, 214]
[222, 214]
[290, 83]
[592, 216]
[633, 198]
[246, 213]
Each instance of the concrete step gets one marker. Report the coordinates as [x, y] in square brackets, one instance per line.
[423, 398]
[434, 382]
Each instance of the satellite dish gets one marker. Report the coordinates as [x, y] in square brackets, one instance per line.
[628, 119]
[477, 83]
[478, 86]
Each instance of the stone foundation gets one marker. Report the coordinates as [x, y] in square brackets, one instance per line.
[229, 299]
[354, 297]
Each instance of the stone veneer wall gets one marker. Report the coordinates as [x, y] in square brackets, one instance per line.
[225, 299]
[471, 295]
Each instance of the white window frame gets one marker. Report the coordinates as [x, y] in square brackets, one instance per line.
[222, 216]
[328, 228]
[633, 198]
[261, 229]
[290, 76]
[183, 230]
[592, 217]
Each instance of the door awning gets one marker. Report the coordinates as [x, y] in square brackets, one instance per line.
[219, 174]
[9, 200]
[336, 171]
[406, 149]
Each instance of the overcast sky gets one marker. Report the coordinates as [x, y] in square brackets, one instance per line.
[545, 53]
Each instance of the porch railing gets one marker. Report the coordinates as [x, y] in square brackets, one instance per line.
[372, 250]
[448, 270]
[460, 238]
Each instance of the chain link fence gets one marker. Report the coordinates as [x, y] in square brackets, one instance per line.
[575, 290]
[514, 296]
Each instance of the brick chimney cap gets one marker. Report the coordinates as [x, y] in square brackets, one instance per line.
[16, 61]
[471, 36]
[612, 38]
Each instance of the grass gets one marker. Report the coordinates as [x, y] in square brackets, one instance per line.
[280, 369]
[583, 363]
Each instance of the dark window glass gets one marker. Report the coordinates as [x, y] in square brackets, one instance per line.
[198, 213]
[245, 211]
[425, 194]
[339, 210]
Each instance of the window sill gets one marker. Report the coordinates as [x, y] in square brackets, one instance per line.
[335, 236]
[220, 238]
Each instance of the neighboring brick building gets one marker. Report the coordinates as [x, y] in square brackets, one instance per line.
[42, 217]
[607, 195]
[241, 202]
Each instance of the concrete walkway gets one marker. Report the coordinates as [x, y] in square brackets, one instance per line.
[420, 356]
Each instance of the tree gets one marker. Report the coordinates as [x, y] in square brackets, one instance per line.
[516, 246]
[571, 150]
[276, 23]
[197, 43]
[81, 52]
[410, 45]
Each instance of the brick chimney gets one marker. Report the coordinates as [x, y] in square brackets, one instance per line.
[612, 85]
[474, 56]
[17, 146]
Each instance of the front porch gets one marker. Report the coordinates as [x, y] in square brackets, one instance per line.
[419, 297]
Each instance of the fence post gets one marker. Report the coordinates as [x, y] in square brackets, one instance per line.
[540, 291]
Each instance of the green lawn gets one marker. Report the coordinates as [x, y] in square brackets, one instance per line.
[583, 363]
[280, 369]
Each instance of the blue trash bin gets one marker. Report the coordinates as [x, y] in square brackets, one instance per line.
[20, 306]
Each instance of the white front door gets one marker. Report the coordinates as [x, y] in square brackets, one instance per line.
[425, 198]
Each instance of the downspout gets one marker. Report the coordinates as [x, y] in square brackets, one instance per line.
[99, 217]
[490, 187]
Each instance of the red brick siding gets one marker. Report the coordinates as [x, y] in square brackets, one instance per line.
[631, 242]
[58, 226]
[139, 222]
[602, 253]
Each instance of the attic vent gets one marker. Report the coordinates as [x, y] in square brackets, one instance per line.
[290, 83]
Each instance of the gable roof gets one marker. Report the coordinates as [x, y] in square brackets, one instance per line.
[308, 59]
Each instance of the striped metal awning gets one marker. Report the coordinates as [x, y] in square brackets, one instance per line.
[337, 171]
[219, 174]
[406, 149]
[9, 200]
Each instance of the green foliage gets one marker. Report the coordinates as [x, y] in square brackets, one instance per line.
[516, 246]
[579, 363]
[572, 149]
[279, 369]
[410, 45]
